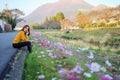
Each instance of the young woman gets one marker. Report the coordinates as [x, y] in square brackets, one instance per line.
[22, 40]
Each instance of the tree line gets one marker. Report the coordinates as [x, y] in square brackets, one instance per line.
[58, 17]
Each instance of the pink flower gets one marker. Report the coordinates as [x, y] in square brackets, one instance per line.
[61, 48]
[47, 67]
[42, 43]
[71, 76]
[48, 44]
[68, 66]
[45, 43]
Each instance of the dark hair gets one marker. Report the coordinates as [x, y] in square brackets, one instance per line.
[25, 26]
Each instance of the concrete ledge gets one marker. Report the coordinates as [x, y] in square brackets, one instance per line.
[18, 66]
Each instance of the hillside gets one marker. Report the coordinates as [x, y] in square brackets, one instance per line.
[106, 14]
[100, 7]
[68, 7]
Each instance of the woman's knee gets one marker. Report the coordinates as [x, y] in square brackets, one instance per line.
[15, 46]
[29, 43]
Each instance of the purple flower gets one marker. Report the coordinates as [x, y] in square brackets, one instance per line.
[58, 55]
[66, 74]
[69, 52]
[35, 39]
[41, 76]
[78, 77]
[88, 66]
[77, 69]
[45, 43]
[63, 72]
[94, 67]
[105, 77]
[61, 48]
[42, 43]
[51, 55]
[116, 77]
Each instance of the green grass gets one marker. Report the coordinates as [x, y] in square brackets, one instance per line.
[108, 36]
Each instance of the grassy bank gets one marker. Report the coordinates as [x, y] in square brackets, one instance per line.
[104, 36]
[54, 58]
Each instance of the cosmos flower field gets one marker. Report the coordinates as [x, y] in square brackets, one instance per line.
[54, 60]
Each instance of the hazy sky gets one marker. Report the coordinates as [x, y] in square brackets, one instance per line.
[27, 6]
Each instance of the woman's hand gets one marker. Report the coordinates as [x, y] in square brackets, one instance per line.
[27, 33]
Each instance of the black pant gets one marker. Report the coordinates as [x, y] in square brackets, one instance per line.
[22, 44]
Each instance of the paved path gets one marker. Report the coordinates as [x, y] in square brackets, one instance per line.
[7, 52]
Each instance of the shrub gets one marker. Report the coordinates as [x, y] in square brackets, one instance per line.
[48, 25]
[111, 25]
[118, 22]
[88, 26]
[118, 52]
[38, 27]
[106, 38]
[102, 25]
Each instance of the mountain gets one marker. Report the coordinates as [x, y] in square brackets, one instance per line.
[100, 7]
[108, 14]
[68, 7]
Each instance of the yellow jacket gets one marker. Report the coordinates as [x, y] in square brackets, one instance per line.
[20, 37]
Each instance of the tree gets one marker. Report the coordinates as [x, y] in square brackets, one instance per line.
[60, 16]
[81, 19]
[66, 24]
[11, 16]
[93, 15]
[1, 15]
[34, 25]
[46, 20]
[52, 18]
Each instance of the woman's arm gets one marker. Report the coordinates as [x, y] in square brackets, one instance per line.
[24, 36]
